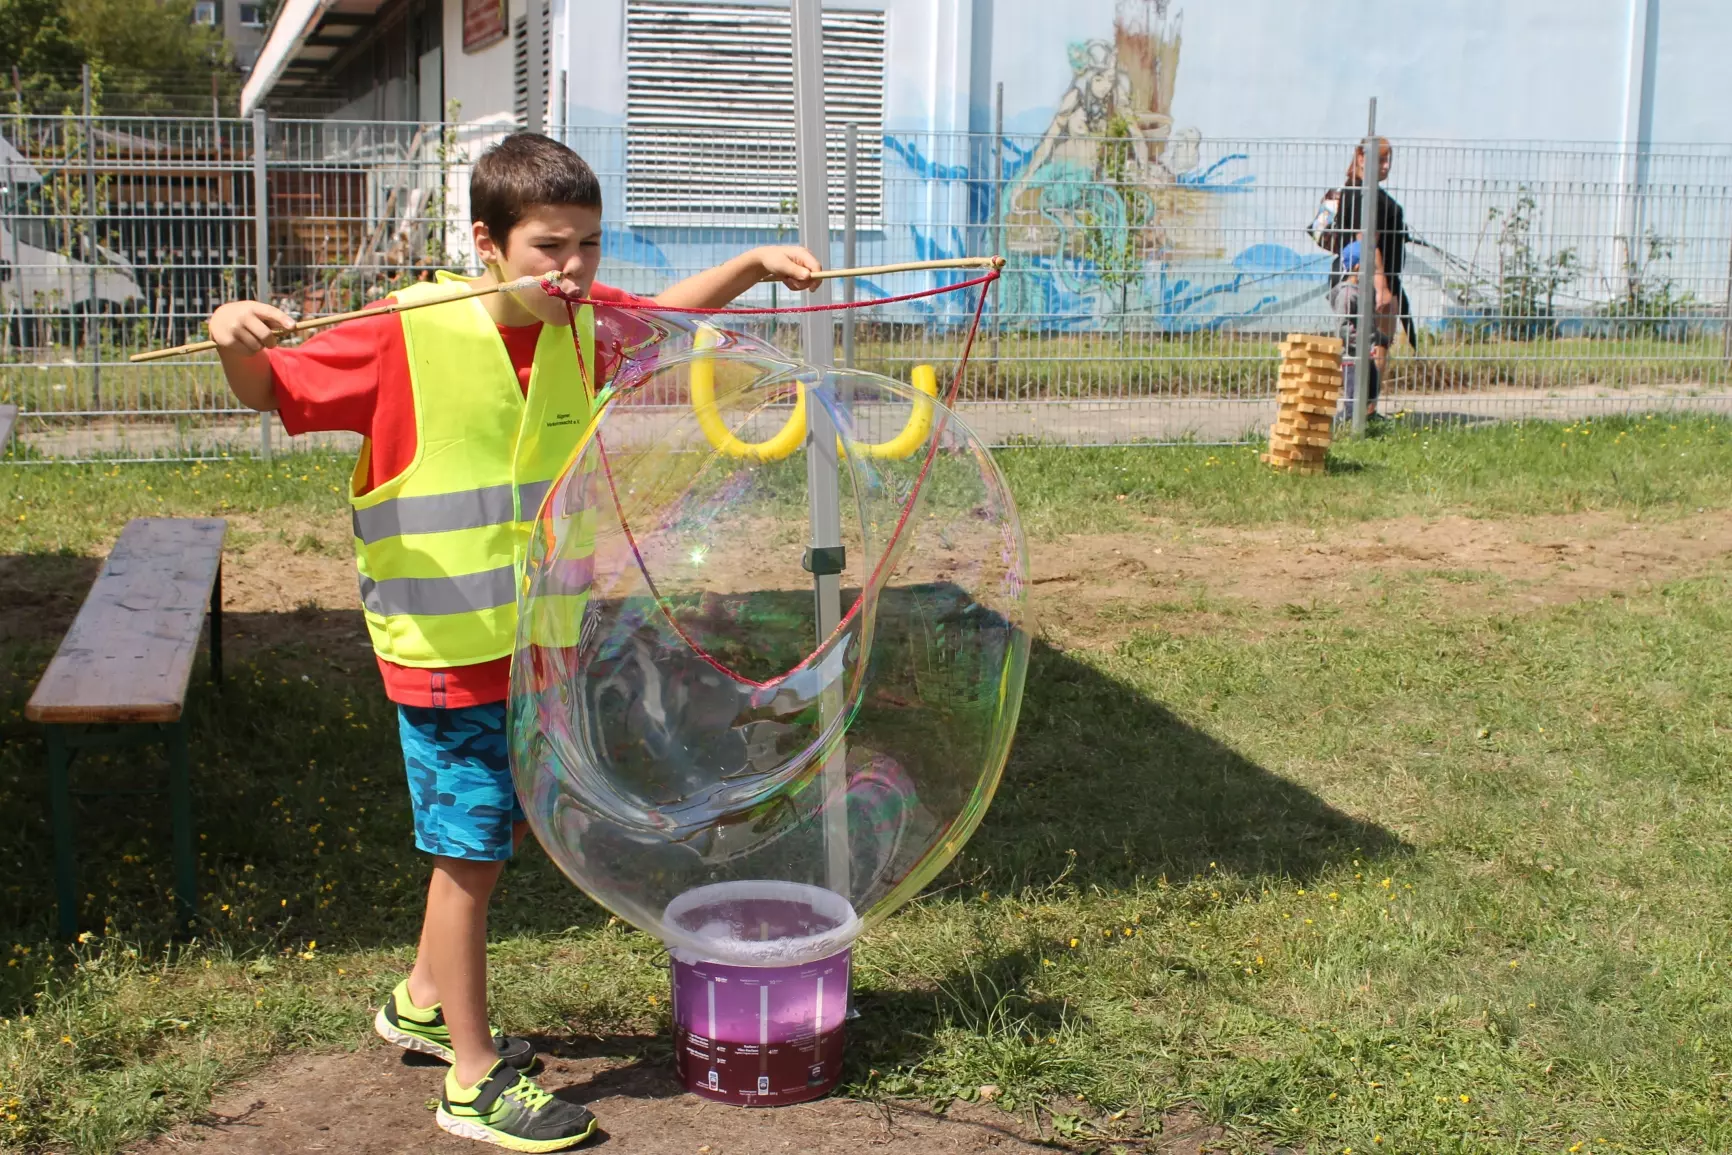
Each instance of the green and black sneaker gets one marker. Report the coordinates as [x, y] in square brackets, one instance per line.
[423, 1030]
[508, 1109]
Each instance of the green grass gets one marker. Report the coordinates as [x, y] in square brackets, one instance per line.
[1656, 465]
[1415, 878]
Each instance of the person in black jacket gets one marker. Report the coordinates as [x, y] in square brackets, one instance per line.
[1341, 236]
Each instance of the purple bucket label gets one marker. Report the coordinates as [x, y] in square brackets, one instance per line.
[760, 1036]
[765, 1028]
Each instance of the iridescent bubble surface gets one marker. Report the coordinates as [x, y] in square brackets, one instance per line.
[678, 718]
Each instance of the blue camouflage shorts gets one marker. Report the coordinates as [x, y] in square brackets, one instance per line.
[460, 780]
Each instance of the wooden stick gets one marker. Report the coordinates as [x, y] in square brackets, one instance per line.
[519, 285]
[908, 267]
[524, 283]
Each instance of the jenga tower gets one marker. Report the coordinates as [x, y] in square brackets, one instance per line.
[1307, 390]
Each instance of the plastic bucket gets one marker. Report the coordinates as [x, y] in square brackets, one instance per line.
[762, 1036]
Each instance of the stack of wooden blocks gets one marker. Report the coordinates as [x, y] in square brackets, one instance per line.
[1307, 391]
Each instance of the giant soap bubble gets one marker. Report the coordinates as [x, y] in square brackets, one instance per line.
[749, 770]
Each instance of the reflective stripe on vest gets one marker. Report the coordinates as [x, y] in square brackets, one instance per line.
[441, 512]
[440, 547]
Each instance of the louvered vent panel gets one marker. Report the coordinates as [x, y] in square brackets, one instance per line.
[710, 110]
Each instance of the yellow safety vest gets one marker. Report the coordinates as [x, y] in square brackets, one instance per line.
[440, 547]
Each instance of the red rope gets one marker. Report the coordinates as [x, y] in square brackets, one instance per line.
[650, 306]
[907, 508]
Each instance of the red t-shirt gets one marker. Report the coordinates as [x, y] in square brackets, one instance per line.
[354, 378]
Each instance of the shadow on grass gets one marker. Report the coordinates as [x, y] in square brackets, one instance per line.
[305, 832]
[1102, 770]
[300, 805]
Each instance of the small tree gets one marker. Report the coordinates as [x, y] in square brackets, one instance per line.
[1652, 304]
[449, 154]
[145, 55]
[1527, 282]
[1118, 212]
[135, 44]
[1521, 298]
[36, 38]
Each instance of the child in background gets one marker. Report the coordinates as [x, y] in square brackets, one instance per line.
[469, 409]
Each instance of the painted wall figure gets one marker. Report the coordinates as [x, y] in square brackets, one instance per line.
[1101, 203]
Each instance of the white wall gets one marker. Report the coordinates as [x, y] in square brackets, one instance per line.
[1537, 69]
[1465, 69]
[481, 82]
[595, 65]
[1693, 77]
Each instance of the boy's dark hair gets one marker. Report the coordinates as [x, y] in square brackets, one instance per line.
[524, 170]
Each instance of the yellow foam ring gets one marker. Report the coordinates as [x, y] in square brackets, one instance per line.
[783, 444]
[915, 432]
[793, 432]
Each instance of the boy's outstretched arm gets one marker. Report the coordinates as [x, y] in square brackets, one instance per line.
[243, 330]
[713, 288]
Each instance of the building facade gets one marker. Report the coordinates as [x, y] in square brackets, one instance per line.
[1127, 155]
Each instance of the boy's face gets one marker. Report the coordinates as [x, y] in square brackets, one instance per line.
[548, 238]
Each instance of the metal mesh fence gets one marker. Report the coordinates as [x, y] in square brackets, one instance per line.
[1148, 280]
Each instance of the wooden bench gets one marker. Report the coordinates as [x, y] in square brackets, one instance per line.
[120, 677]
[8, 418]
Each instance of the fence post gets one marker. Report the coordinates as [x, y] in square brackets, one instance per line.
[997, 215]
[1726, 322]
[1363, 365]
[261, 244]
[850, 212]
[14, 298]
[92, 342]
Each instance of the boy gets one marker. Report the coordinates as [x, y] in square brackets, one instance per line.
[469, 409]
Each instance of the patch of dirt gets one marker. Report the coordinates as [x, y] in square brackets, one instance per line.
[289, 565]
[1086, 587]
[375, 1102]
[295, 580]
[371, 1102]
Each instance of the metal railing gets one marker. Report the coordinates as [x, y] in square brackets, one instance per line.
[1149, 277]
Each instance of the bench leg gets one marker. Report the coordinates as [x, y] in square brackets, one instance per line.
[216, 626]
[60, 807]
[180, 801]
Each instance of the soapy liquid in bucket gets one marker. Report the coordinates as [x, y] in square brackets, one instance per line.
[758, 920]
[760, 1035]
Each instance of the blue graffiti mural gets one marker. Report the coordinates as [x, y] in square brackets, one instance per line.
[1083, 251]
[1205, 179]
[920, 165]
[1114, 217]
[631, 247]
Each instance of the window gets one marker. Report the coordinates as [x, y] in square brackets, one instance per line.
[207, 12]
[252, 15]
[710, 110]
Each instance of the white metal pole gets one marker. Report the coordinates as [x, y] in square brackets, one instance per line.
[850, 225]
[997, 214]
[1362, 363]
[818, 340]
